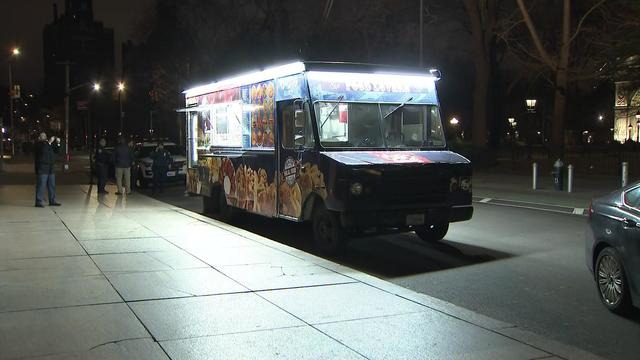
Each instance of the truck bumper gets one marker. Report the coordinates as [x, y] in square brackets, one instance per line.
[385, 219]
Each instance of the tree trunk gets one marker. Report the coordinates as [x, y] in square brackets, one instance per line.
[479, 127]
[560, 102]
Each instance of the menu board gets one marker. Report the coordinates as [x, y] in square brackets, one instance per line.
[262, 115]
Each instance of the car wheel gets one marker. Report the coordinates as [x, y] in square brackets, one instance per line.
[328, 234]
[432, 233]
[612, 282]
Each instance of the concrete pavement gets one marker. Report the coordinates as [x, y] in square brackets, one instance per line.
[111, 277]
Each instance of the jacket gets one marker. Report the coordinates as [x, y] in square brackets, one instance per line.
[102, 157]
[122, 156]
[45, 157]
[161, 159]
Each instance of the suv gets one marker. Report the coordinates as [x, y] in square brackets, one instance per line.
[143, 172]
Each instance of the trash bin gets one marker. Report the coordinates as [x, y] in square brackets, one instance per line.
[558, 178]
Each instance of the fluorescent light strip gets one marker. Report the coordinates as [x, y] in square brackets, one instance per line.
[248, 78]
[404, 79]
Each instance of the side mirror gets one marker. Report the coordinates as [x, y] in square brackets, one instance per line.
[299, 116]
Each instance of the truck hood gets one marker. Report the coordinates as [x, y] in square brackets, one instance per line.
[395, 157]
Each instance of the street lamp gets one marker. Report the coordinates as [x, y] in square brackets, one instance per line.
[96, 87]
[15, 52]
[454, 121]
[121, 87]
[531, 105]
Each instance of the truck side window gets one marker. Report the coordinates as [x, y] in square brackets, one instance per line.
[295, 129]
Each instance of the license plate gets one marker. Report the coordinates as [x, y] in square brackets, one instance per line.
[171, 173]
[415, 219]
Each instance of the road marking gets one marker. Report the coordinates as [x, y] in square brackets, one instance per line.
[532, 206]
[485, 200]
[578, 211]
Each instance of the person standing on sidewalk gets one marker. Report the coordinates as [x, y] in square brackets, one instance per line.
[102, 165]
[44, 165]
[123, 159]
[161, 161]
[134, 167]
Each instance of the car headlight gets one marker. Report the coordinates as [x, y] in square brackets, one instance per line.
[356, 188]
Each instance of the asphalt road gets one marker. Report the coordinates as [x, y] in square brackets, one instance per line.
[525, 267]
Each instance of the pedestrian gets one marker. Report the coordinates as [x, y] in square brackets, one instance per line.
[134, 166]
[122, 160]
[102, 165]
[161, 161]
[44, 165]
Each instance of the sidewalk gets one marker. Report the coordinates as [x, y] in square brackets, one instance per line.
[516, 187]
[134, 278]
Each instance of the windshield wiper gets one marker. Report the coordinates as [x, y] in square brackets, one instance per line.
[332, 110]
[397, 107]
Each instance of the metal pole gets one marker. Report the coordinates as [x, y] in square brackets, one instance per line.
[90, 143]
[421, 31]
[1, 144]
[535, 176]
[625, 173]
[570, 178]
[12, 135]
[121, 114]
[150, 122]
[66, 115]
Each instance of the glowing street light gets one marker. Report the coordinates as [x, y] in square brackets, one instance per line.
[96, 87]
[531, 104]
[600, 117]
[454, 121]
[121, 86]
[15, 51]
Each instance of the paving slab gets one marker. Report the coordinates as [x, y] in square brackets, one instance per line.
[174, 283]
[113, 233]
[49, 292]
[66, 330]
[23, 245]
[290, 343]
[426, 336]
[81, 265]
[12, 227]
[248, 255]
[210, 315]
[147, 261]
[139, 349]
[267, 276]
[322, 304]
[94, 247]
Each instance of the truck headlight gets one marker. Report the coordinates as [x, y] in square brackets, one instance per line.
[356, 188]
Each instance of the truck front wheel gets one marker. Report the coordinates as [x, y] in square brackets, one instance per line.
[328, 234]
[433, 232]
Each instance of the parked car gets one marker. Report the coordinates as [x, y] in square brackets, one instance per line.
[613, 248]
[143, 169]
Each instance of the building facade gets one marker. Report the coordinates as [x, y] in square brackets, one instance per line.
[627, 102]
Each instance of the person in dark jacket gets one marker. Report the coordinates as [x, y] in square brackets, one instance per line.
[161, 162]
[45, 151]
[123, 160]
[102, 165]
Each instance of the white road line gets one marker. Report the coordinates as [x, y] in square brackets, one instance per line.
[578, 211]
[485, 200]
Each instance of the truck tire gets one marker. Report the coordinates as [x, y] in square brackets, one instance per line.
[329, 236]
[433, 232]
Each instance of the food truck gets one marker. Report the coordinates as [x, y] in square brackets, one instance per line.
[354, 149]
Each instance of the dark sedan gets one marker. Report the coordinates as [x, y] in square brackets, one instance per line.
[613, 248]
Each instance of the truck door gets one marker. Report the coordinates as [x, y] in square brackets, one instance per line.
[295, 137]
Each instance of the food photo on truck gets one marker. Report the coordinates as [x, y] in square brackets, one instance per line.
[351, 148]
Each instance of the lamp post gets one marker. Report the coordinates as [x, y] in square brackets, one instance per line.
[531, 109]
[638, 126]
[15, 52]
[121, 87]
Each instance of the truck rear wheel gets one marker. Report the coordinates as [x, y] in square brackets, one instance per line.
[328, 234]
[433, 232]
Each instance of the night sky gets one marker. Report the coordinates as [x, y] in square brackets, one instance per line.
[22, 21]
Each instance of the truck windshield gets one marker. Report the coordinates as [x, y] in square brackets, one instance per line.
[375, 125]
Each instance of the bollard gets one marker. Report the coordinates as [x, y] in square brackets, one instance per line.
[535, 176]
[625, 173]
[570, 178]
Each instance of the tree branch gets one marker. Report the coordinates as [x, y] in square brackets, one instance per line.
[534, 35]
[584, 17]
